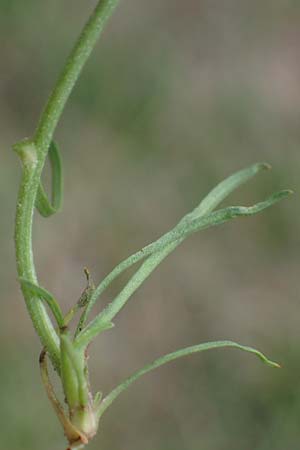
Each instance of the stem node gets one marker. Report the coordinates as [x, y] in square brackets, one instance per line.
[27, 151]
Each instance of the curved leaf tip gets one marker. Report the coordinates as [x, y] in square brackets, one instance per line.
[107, 401]
[263, 166]
[284, 193]
[261, 356]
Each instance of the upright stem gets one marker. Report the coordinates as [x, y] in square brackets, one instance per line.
[75, 63]
[33, 155]
[23, 241]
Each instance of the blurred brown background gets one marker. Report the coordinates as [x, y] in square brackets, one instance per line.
[178, 95]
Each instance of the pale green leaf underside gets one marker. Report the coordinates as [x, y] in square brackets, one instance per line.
[107, 401]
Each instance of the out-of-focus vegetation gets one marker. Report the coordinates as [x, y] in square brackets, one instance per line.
[177, 96]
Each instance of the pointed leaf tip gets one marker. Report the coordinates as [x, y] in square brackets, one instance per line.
[282, 194]
[171, 357]
[260, 355]
[273, 364]
[263, 166]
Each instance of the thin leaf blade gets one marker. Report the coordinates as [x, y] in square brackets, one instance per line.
[225, 188]
[211, 201]
[47, 297]
[161, 248]
[171, 357]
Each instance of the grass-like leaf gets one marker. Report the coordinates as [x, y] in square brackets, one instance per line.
[225, 188]
[107, 401]
[162, 248]
[69, 356]
[45, 295]
[46, 207]
[208, 204]
[197, 223]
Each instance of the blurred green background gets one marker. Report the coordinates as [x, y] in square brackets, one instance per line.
[177, 96]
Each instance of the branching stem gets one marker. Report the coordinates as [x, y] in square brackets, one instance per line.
[33, 155]
[69, 355]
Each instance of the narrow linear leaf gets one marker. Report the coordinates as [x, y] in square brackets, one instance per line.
[47, 297]
[211, 201]
[225, 188]
[185, 228]
[161, 248]
[46, 207]
[218, 217]
[107, 401]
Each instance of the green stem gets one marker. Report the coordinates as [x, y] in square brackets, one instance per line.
[33, 155]
[74, 65]
[24, 255]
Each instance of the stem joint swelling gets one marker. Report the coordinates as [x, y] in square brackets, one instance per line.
[27, 152]
[67, 351]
